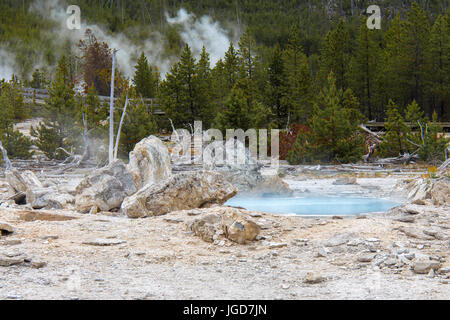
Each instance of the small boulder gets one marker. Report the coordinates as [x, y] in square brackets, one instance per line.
[232, 223]
[5, 229]
[440, 192]
[106, 188]
[239, 229]
[424, 265]
[48, 198]
[313, 278]
[21, 182]
[205, 227]
[183, 191]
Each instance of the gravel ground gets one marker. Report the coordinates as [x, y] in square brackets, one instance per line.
[67, 255]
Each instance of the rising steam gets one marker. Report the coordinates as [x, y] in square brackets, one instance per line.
[195, 32]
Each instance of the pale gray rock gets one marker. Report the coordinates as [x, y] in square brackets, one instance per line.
[150, 162]
[244, 172]
[313, 278]
[183, 191]
[205, 227]
[339, 239]
[366, 257]
[48, 198]
[234, 224]
[105, 189]
[423, 265]
[21, 182]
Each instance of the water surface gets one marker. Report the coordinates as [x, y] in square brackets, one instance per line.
[317, 205]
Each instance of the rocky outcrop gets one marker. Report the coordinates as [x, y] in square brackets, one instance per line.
[244, 172]
[48, 198]
[437, 191]
[149, 162]
[181, 192]
[234, 224]
[105, 189]
[272, 184]
[21, 182]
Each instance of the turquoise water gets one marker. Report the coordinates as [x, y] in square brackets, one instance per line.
[319, 205]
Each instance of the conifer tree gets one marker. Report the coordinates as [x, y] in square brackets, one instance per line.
[334, 133]
[417, 37]
[394, 140]
[231, 68]
[440, 66]
[145, 79]
[247, 53]
[15, 143]
[203, 84]
[236, 113]
[364, 71]
[277, 88]
[300, 91]
[184, 93]
[59, 129]
[335, 55]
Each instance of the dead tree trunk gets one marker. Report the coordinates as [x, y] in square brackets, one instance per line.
[116, 148]
[111, 111]
[7, 162]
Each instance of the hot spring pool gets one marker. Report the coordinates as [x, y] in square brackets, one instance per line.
[320, 205]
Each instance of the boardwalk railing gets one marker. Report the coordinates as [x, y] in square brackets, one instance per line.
[38, 96]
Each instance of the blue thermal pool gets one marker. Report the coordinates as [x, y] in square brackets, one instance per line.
[318, 205]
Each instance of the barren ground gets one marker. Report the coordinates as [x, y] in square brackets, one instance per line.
[113, 257]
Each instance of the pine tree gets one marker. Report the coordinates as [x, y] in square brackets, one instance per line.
[277, 88]
[145, 79]
[417, 37]
[92, 111]
[440, 66]
[236, 113]
[242, 111]
[300, 92]
[183, 93]
[203, 84]
[231, 68]
[247, 53]
[58, 129]
[15, 143]
[393, 69]
[394, 140]
[334, 133]
[365, 70]
[335, 55]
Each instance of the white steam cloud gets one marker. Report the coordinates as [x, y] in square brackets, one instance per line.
[196, 32]
[6, 64]
[202, 32]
